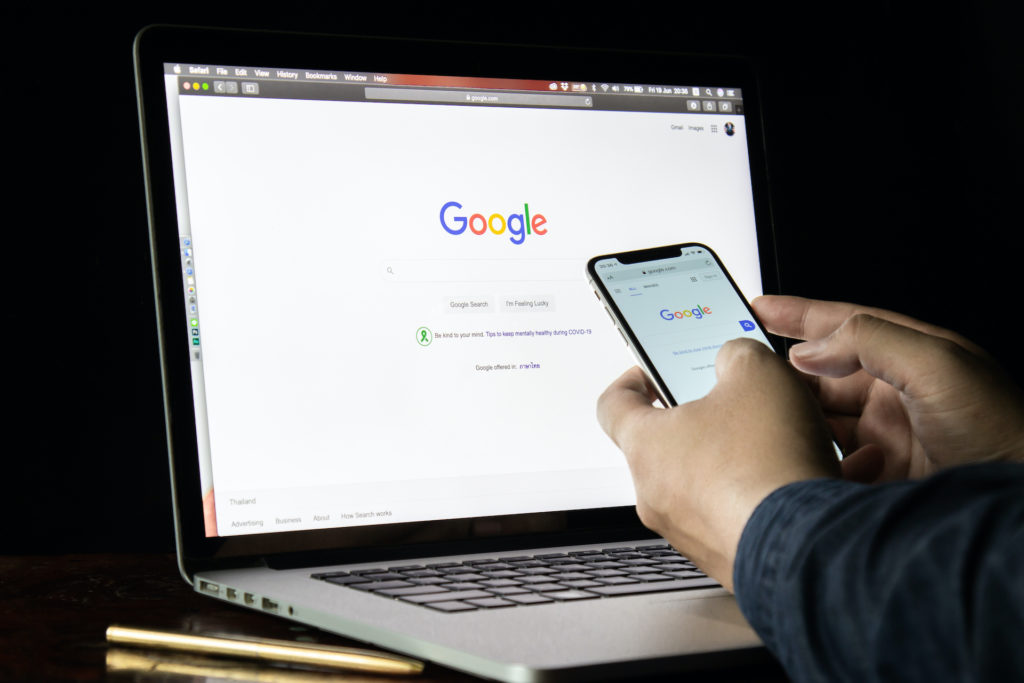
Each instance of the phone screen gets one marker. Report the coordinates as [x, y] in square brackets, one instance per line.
[679, 311]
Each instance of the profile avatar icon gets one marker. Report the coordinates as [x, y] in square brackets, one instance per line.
[730, 129]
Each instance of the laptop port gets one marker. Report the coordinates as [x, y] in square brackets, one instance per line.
[269, 605]
[249, 599]
[231, 594]
[208, 587]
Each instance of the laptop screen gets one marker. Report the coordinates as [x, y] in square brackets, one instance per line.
[386, 308]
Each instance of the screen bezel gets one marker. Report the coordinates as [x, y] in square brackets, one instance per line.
[157, 45]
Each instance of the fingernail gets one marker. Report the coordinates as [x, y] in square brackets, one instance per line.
[808, 348]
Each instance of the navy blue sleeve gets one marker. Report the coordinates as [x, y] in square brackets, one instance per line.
[910, 581]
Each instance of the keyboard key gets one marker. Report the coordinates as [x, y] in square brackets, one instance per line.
[526, 564]
[386, 576]
[430, 580]
[572, 594]
[606, 572]
[375, 586]
[606, 564]
[669, 566]
[491, 602]
[346, 579]
[453, 606]
[446, 595]
[584, 583]
[529, 599]
[558, 562]
[463, 586]
[498, 583]
[412, 590]
[466, 576]
[654, 587]
[506, 590]
[545, 587]
[617, 580]
[422, 573]
[686, 574]
[540, 578]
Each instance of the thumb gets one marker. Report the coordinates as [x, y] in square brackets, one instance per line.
[624, 404]
[891, 352]
[740, 357]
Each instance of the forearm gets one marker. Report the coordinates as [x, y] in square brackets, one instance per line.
[915, 580]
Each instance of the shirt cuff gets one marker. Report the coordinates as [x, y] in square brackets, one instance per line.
[776, 530]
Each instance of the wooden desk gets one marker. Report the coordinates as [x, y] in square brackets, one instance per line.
[54, 611]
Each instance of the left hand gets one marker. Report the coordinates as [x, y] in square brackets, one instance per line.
[701, 468]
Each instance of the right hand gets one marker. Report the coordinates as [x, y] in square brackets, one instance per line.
[904, 398]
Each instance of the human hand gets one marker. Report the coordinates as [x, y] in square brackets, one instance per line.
[904, 398]
[701, 468]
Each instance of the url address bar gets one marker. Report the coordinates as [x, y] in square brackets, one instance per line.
[482, 270]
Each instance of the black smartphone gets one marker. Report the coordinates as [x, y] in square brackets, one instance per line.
[675, 306]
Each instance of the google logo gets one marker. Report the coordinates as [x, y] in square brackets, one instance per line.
[698, 313]
[518, 225]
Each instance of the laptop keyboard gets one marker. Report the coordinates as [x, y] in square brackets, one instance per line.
[529, 579]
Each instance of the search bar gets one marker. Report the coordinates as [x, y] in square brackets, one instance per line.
[481, 270]
[477, 97]
[655, 271]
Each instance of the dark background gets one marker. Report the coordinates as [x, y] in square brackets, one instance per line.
[893, 149]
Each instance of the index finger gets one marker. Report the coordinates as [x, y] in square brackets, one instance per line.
[799, 318]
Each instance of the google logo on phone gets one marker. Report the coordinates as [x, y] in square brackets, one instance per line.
[698, 313]
[518, 225]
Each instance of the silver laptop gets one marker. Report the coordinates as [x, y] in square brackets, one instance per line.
[380, 352]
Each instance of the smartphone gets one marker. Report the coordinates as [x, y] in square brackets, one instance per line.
[675, 306]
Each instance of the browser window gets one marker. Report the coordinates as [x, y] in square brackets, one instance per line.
[387, 311]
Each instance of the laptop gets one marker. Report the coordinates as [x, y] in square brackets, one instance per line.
[381, 355]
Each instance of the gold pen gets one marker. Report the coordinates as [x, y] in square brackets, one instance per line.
[269, 650]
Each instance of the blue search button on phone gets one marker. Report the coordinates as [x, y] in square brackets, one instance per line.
[747, 325]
